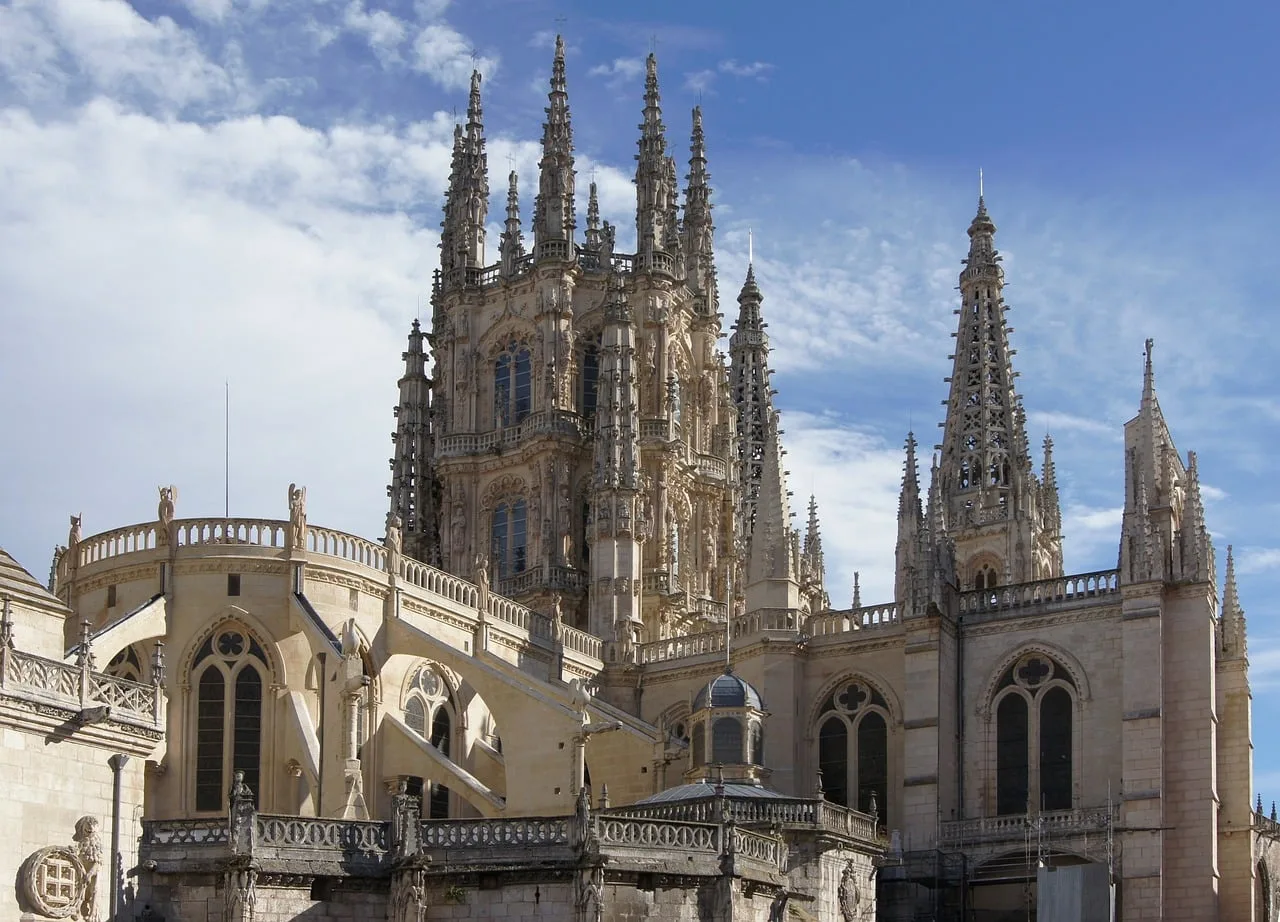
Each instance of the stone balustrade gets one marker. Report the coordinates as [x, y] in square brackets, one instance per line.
[828, 623]
[254, 532]
[333, 543]
[762, 812]
[545, 422]
[1021, 597]
[494, 833]
[673, 648]
[76, 687]
[667, 835]
[1014, 827]
[712, 467]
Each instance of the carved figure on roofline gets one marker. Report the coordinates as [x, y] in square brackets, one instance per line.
[297, 516]
[73, 537]
[165, 510]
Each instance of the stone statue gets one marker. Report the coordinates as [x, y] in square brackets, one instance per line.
[557, 616]
[482, 582]
[74, 537]
[297, 516]
[393, 540]
[89, 851]
[168, 496]
[626, 641]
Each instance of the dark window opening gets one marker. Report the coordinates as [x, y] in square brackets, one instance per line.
[1055, 750]
[210, 727]
[1011, 756]
[873, 765]
[833, 760]
[233, 584]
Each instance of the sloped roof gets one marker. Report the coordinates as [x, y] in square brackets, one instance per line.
[703, 789]
[16, 581]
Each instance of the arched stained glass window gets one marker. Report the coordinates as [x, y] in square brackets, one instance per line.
[1055, 749]
[228, 727]
[873, 764]
[726, 740]
[509, 539]
[1012, 775]
[833, 760]
[512, 385]
[590, 376]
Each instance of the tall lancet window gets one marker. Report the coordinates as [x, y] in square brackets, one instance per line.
[228, 669]
[429, 712]
[512, 385]
[1035, 737]
[509, 539]
[853, 748]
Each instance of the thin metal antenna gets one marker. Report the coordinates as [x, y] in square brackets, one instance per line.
[980, 195]
[751, 257]
[226, 449]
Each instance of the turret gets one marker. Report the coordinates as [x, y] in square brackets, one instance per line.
[698, 230]
[907, 551]
[990, 493]
[1234, 640]
[595, 237]
[512, 246]
[413, 489]
[615, 483]
[813, 567]
[554, 221]
[655, 178]
[749, 381]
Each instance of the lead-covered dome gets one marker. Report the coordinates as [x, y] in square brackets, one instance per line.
[728, 691]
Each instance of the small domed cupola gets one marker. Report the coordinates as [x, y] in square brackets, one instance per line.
[726, 742]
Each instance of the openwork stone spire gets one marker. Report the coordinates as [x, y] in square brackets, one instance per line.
[699, 231]
[812, 564]
[749, 380]
[594, 236]
[412, 490]
[990, 495]
[655, 176]
[772, 571]
[554, 221]
[512, 246]
[474, 181]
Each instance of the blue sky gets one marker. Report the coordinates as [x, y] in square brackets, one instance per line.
[206, 190]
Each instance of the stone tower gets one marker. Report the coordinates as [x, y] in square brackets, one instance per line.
[580, 433]
[1003, 520]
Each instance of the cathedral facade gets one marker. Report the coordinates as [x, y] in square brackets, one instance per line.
[591, 670]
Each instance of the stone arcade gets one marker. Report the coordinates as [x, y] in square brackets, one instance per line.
[592, 672]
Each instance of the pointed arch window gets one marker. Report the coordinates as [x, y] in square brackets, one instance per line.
[590, 376]
[228, 669]
[430, 705]
[1035, 737]
[853, 748]
[512, 385]
[509, 539]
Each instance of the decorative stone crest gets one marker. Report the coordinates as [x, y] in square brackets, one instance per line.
[849, 895]
[61, 882]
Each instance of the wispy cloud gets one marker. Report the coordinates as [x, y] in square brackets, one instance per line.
[384, 32]
[619, 72]
[444, 54]
[1257, 559]
[702, 80]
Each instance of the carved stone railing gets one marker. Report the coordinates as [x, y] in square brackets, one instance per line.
[185, 832]
[553, 422]
[465, 834]
[438, 582]
[673, 648]
[1015, 827]
[350, 837]
[543, 577]
[116, 543]
[655, 581]
[76, 687]
[856, 619]
[657, 429]
[708, 608]
[756, 846]
[765, 619]
[640, 832]
[624, 262]
[1100, 584]
[713, 467]
[256, 532]
[765, 813]
[333, 543]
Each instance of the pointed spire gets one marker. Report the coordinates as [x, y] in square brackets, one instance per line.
[554, 221]
[813, 534]
[412, 490]
[1148, 376]
[594, 239]
[753, 397]
[512, 244]
[857, 591]
[770, 555]
[1049, 474]
[474, 182]
[655, 179]
[1234, 633]
[907, 550]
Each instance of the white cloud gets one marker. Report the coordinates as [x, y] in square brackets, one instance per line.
[619, 72]
[757, 70]
[857, 478]
[445, 55]
[114, 49]
[1257, 560]
[384, 32]
[699, 81]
